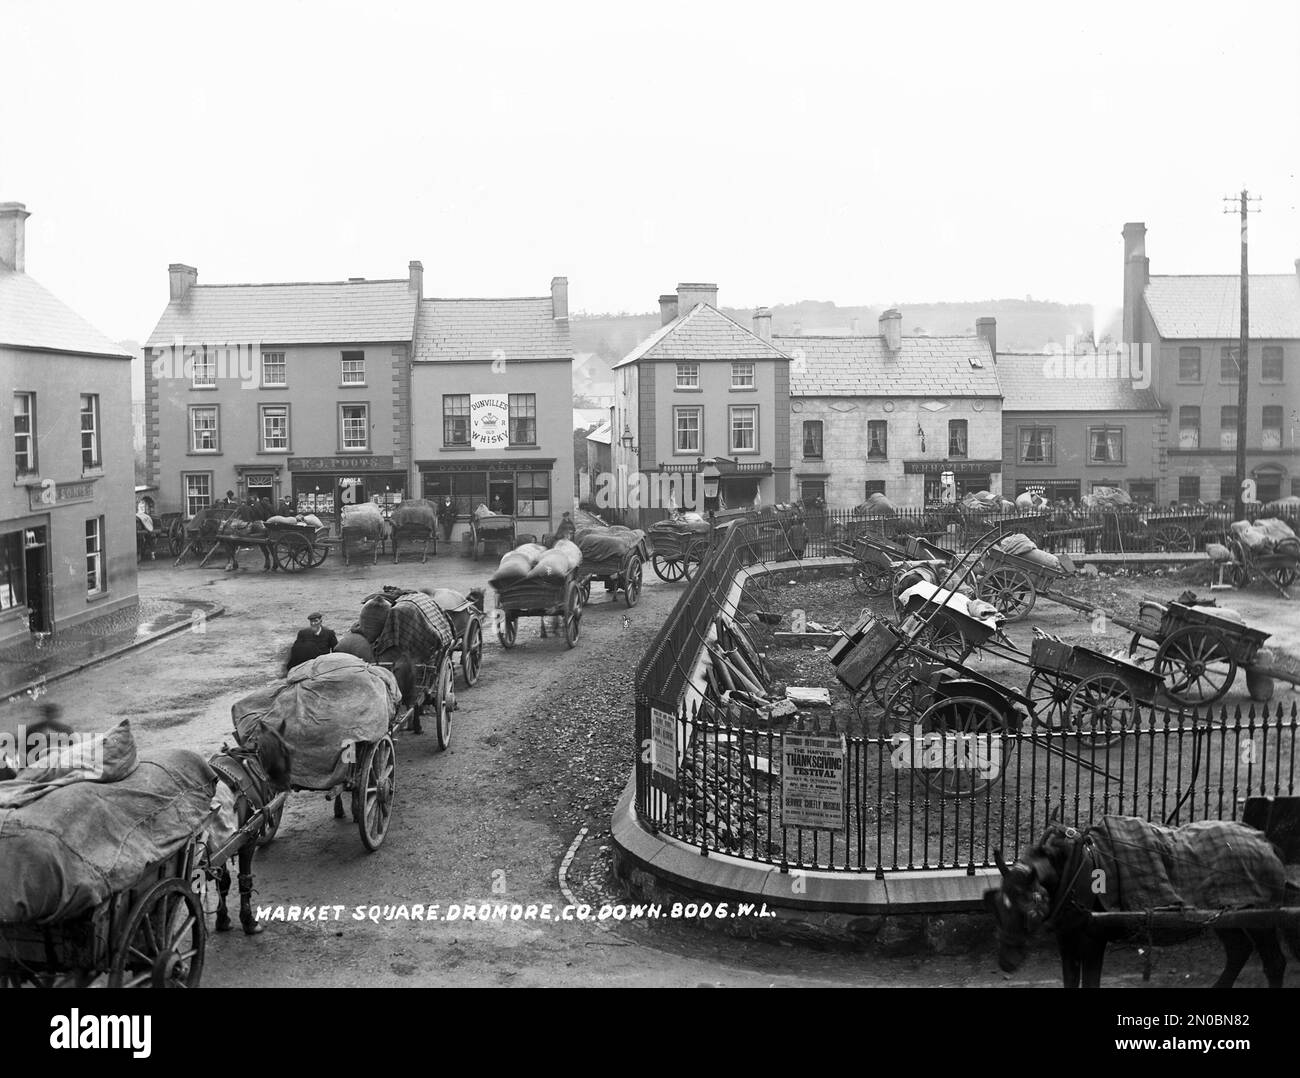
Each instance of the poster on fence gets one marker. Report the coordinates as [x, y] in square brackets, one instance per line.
[812, 781]
[663, 743]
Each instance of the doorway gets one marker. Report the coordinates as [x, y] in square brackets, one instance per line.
[36, 565]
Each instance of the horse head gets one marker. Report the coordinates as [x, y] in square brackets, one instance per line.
[274, 754]
[1019, 906]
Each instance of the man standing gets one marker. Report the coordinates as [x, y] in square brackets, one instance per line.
[312, 642]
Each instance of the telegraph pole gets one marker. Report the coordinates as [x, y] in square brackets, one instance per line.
[1242, 205]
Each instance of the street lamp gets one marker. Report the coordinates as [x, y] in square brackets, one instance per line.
[626, 440]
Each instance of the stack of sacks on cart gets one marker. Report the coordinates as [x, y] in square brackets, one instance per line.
[982, 503]
[322, 703]
[310, 519]
[84, 820]
[1111, 498]
[604, 543]
[924, 592]
[1268, 536]
[1024, 547]
[685, 524]
[364, 520]
[532, 561]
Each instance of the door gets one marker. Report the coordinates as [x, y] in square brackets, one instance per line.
[40, 600]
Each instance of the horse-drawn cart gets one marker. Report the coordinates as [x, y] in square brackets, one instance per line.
[677, 548]
[532, 597]
[495, 532]
[618, 572]
[1012, 582]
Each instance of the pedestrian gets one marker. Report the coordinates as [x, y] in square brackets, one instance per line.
[566, 528]
[312, 642]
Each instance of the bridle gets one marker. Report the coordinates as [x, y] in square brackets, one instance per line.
[1035, 867]
[247, 777]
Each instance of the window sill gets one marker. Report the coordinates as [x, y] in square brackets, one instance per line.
[277, 385]
[352, 385]
[98, 597]
[524, 448]
[202, 389]
[877, 460]
[686, 453]
[744, 389]
[97, 472]
[1104, 464]
[350, 452]
[28, 479]
[275, 452]
[456, 449]
[1190, 382]
[1038, 463]
[204, 453]
[687, 389]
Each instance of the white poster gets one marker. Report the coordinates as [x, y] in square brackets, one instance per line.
[812, 781]
[663, 742]
[489, 421]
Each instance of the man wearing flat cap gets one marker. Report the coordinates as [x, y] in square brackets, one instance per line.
[312, 642]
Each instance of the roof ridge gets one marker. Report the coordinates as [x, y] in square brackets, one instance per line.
[482, 299]
[744, 329]
[1291, 276]
[298, 284]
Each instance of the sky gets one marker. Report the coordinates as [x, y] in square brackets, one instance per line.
[844, 152]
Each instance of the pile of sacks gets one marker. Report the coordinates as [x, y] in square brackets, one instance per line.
[876, 506]
[1111, 498]
[601, 544]
[1024, 547]
[1266, 537]
[683, 524]
[982, 503]
[365, 520]
[302, 518]
[534, 562]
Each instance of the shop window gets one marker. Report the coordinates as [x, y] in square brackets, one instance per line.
[873, 486]
[1227, 488]
[13, 573]
[1142, 490]
[533, 494]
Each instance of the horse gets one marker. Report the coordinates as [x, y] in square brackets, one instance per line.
[251, 776]
[1053, 886]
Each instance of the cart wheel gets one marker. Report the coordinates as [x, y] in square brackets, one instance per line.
[1239, 576]
[508, 629]
[1010, 590]
[271, 827]
[471, 650]
[176, 539]
[872, 581]
[1196, 665]
[320, 552]
[572, 614]
[1173, 539]
[960, 774]
[373, 794]
[668, 569]
[941, 635]
[1283, 575]
[164, 940]
[584, 591]
[1100, 709]
[1049, 698]
[693, 559]
[445, 701]
[910, 699]
[632, 581]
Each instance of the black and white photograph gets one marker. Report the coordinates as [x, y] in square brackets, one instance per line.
[681, 495]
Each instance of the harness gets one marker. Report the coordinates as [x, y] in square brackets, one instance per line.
[1081, 856]
[241, 770]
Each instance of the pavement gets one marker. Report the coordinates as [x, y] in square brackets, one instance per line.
[27, 668]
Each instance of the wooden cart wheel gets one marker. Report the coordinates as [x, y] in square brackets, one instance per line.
[1283, 575]
[374, 792]
[959, 775]
[872, 581]
[910, 699]
[285, 552]
[1196, 664]
[163, 942]
[693, 558]
[1049, 698]
[1239, 576]
[1172, 539]
[271, 827]
[319, 551]
[176, 538]
[941, 635]
[572, 614]
[584, 590]
[669, 569]
[471, 650]
[632, 581]
[1100, 708]
[507, 628]
[1010, 590]
[444, 701]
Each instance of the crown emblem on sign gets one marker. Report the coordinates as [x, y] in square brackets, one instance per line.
[490, 421]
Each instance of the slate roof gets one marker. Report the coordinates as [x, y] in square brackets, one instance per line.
[700, 335]
[1028, 385]
[458, 329]
[862, 367]
[1209, 307]
[33, 317]
[337, 312]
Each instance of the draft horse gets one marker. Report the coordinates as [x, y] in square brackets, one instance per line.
[1051, 887]
[250, 777]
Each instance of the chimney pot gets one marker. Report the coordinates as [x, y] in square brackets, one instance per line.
[763, 323]
[1137, 274]
[987, 329]
[560, 299]
[688, 295]
[667, 308]
[416, 270]
[891, 328]
[183, 278]
[13, 235]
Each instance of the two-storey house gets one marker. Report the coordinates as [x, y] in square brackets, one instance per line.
[891, 414]
[1192, 325]
[701, 408]
[67, 506]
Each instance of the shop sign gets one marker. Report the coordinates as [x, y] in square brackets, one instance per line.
[489, 421]
[49, 493]
[340, 464]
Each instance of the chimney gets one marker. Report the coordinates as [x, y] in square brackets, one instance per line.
[417, 279]
[853, 327]
[183, 278]
[987, 329]
[13, 235]
[667, 308]
[1137, 272]
[688, 295]
[891, 328]
[560, 299]
[763, 323]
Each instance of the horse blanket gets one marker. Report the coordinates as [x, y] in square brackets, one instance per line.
[69, 843]
[364, 520]
[415, 513]
[416, 627]
[1210, 865]
[322, 703]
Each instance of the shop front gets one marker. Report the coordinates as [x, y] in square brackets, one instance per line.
[323, 485]
[968, 476]
[518, 488]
